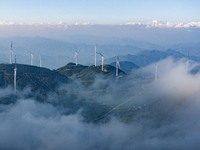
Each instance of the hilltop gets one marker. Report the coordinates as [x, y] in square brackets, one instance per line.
[37, 78]
[70, 69]
[88, 73]
[44, 80]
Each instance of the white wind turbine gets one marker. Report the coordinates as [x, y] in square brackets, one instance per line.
[32, 57]
[117, 65]
[11, 53]
[102, 59]
[76, 56]
[15, 75]
[40, 60]
[95, 56]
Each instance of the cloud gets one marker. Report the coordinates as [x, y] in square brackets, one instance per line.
[87, 23]
[170, 120]
[153, 24]
[134, 23]
[160, 24]
[76, 23]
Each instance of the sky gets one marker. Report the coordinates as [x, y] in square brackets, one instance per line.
[161, 22]
[99, 12]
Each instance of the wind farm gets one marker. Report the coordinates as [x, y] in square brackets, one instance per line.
[119, 86]
[99, 75]
[104, 67]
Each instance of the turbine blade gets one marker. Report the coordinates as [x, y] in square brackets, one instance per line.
[119, 65]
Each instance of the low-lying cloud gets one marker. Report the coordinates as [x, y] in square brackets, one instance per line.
[169, 120]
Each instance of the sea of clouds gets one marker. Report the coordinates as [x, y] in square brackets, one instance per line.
[169, 120]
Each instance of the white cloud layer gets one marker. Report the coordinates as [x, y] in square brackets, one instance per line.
[160, 24]
[153, 24]
[61, 23]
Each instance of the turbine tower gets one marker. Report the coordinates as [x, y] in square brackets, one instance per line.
[156, 72]
[40, 60]
[32, 57]
[76, 56]
[11, 53]
[102, 59]
[15, 76]
[95, 56]
[117, 65]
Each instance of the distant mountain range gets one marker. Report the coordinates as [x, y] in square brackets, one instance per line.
[126, 66]
[147, 57]
[57, 53]
[193, 49]
[90, 40]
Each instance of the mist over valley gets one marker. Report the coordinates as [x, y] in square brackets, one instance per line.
[151, 103]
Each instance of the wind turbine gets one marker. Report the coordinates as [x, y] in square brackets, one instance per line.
[95, 56]
[32, 57]
[15, 75]
[76, 56]
[117, 65]
[11, 53]
[102, 59]
[156, 72]
[40, 60]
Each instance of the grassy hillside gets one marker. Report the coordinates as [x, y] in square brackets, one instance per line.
[71, 69]
[87, 73]
[37, 78]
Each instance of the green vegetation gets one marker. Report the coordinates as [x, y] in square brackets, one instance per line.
[44, 80]
[87, 73]
[71, 69]
[39, 79]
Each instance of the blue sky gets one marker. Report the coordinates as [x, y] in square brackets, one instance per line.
[99, 12]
